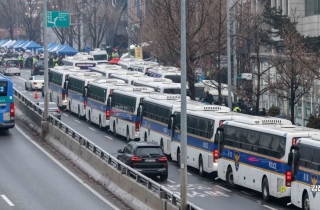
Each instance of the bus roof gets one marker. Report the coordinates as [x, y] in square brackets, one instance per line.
[115, 85]
[125, 72]
[85, 75]
[201, 107]
[106, 66]
[312, 141]
[65, 67]
[107, 81]
[152, 79]
[134, 91]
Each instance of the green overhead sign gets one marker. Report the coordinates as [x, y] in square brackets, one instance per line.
[58, 19]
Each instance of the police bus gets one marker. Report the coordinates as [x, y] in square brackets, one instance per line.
[58, 77]
[7, 112]
[254, 151]
[211, 86]
[161, 85]
[202, 122]
[156, 112]
[126, 76]
[166, 72]
[77, 89]
[98, 101]
[81, 62]
[126, 105]
[305, 161]
[143, 67]
[107, 69]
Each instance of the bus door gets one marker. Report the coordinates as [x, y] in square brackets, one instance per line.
[293, 161]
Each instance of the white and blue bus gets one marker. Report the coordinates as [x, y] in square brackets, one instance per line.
[77, 91]
[166, 72]
[7, 112]
[156, 112]
[161, 85]
[98, 102]
[58, 77]
[126, 76]
[202, 122]
[254, 152]
[107, 69]
[305, 162]
[82, 63]
[126, 105]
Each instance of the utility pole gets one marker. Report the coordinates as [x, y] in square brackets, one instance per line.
[45, 49]
[81, 26]
[183, 120]
[228, 57]
[129, 28]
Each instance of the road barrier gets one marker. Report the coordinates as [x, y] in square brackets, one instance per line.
[132, 187]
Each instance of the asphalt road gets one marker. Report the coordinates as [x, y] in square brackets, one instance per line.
[206, 192]
[30, 179]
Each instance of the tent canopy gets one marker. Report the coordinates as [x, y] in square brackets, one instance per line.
[31, 46]
[66, 50]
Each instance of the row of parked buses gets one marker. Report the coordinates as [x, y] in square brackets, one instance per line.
[269, 155]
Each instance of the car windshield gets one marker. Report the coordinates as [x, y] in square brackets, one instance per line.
[147, 151]
[38, 77]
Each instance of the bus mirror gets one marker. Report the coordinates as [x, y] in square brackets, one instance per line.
[171, 120]
[139, 109]
[109, 101]
[216, 137]
[84, 91]
[290, 158]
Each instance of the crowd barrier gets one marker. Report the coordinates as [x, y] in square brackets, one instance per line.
[132, 187]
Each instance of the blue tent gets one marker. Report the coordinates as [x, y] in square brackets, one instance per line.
[55, 48]
[50, 45]
[3, 41]
[67, 50]
[11, 46]
[31, 46]
[17, 47]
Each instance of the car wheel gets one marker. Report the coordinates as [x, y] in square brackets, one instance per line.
[201, 172]
[265, 189]
[230, 178]
[164, 177]
[128, 136]
[305, 201]
[114, 130]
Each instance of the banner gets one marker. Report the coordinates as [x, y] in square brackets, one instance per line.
[138, 52]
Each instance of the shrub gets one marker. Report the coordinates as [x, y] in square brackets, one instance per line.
[313, 122]
[273, 111]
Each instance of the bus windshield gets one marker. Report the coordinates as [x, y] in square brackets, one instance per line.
[174, 78]
[174, 91]
[3, 88]
[100, 57]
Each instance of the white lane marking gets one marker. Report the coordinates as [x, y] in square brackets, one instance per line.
[109, 137]
[187, 172]
[91, 128]
[30, 94]
[247, 193]
[66, 115]
[20, 78]
[7, 200]
[68, 171]
[19, 87]
[223, 188]
[170, 181]
[77, 121]
[269, 207]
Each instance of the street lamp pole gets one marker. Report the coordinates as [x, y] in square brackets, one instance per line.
[228, 57]
[183, 120]
[45, 49]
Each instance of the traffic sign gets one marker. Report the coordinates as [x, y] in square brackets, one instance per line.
[58, 19]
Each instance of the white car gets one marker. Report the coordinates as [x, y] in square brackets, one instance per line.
[34, 83]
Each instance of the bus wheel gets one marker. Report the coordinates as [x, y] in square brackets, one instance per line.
[265, 189]
[201, 172]
[79, 116]
[179, 158]
[161, 145]
[128, 136]
[305, 201]
[114, 130]
[145, 137]
[230, 178]
[89, 120]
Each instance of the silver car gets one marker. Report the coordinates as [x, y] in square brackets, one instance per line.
[53, 109]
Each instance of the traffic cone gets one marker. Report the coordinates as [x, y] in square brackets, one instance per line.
[36, 96]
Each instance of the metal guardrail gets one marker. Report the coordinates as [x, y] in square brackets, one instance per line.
[163, 192]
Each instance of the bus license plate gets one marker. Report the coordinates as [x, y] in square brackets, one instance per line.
[6, 116]
[150, 160]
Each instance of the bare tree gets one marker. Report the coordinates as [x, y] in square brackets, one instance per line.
[96, 19]
[294, 66]
[30, 18]
[9, 16]
[162, 30]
